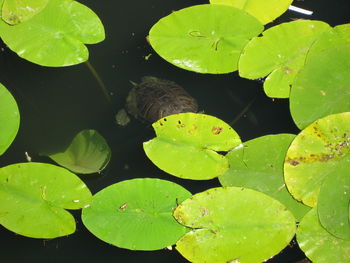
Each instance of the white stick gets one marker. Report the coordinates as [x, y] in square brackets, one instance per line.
[300, 10]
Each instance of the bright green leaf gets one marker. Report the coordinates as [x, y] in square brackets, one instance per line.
[259, 165]
[136, 214]
[315, 154]
[87, 153]
[186, 145]
[280, 53]
[233, 224]
[334, 199]
[204, 38]
[15, 12]
[9, 119]
[318, 245]
[265, 11]
[322, 86]
[49, 41]
[33, 197]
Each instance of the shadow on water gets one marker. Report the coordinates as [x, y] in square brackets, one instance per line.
[56, 103]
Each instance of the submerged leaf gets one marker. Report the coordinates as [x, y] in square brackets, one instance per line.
[48, 41]
[204, 38]
[136, 214]
[9, 119]
[315, 154]
[233, 224]
[186, 145]
[265, 11]
[34, 196]
[87, 153]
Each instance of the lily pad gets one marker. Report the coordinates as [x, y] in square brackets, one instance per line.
[87, 153]
[322, 86]
[319, 245]
[48, 41]
[34, 196]
[136, 214]
[265, 11]
[15, 12]
[315, 154]
[334, 200]
[204, 38]
[233, 224]
[9, 119]
[280, 53]
[187, 143]
[259, 165]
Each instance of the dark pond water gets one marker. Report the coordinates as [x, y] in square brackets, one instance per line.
[57, 103]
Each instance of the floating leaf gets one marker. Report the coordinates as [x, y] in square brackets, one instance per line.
[318, 244]
[33, 197]
[233, 224]
[186, 145]
[15, 12]
[259, 165]
[265, 11]
[87, 153]
[9, 119]
[280, 52]
[322, 86]
[136, 214]
[48, 41]
[315, 154]
[334, 200]
[204, 38]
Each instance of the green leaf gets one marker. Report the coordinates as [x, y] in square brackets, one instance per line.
[33, 197]
[259, 165]
[9, 119]
[322, 86]
[15, 12]
[233, 224]
[280, 53]
[136, 214]
[87, 153]
[49, 41]
[186, 145]
[318, 244]
[334, 200]
[265, 11]
[315, 154]
[204, 38]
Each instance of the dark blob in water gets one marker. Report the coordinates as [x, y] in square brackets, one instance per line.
[156, 98]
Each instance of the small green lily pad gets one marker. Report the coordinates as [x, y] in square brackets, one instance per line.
[265, 11]
[9, 119]
[315, 154]
[259, 165]
[204, 38]
[48, 41]
[186, 145]
[136, 214]
[34, 196]
[87, 153]
[319, 245]
[334, 199]
[322, 86]
[233, 224]
[280, 53]
[15, 12]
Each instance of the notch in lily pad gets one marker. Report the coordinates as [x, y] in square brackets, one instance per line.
[204, 38]
[87, 153]
[137, 214]
[187, 145]
[45, 40]
[34, 196]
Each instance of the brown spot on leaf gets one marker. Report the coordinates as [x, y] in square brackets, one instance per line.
[216, 130]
